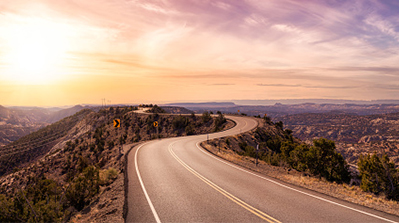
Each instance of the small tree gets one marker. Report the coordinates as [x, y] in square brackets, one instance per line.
[84, 187]
[206, 117]
[379, 175]
[323, 160]
[189, 130]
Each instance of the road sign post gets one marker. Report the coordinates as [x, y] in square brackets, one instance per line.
[257, 151]
[156, 126]
[117, 124]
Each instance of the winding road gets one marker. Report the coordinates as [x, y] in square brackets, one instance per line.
[175, 180]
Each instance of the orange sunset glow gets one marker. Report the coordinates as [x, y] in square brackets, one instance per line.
[73, 52]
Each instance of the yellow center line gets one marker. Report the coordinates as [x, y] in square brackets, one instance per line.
[238, 201]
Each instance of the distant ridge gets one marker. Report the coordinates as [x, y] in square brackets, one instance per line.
[204, 104]
[315, 101]
[56, 116]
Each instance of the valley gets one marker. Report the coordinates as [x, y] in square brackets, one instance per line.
[353, 134]
[16, 122]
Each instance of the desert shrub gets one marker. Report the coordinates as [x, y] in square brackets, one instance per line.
[108, 176]
[243, 145]
[325, 161]
[220, 120]
[279, 125]
[267, 119]
[206, 117]
[180, 122]
[84, 187]
[227, 141]
[286, 148]
[379, 175]
[250, 151]
[39, 202]
[321, 159]
[274, 144]
[190, 130]
[156, 109]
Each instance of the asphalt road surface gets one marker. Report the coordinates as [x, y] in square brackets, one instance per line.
[174, 180]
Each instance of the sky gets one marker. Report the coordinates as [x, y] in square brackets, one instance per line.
[61, 52]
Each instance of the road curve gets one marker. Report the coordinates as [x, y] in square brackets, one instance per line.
[174, 180]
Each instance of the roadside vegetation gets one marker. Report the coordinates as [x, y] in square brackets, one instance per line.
[379, 176]
[156, 109]
[282, 149]
[317, 166]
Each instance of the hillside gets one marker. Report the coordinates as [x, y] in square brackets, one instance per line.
[17, 122]
[86, 166]
[353, 134]
[33, 146]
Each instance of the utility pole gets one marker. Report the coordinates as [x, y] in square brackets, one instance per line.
[257, 151]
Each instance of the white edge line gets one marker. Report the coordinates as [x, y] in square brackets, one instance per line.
[282, 185]
[154, 212]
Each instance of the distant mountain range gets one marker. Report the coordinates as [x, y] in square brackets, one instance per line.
[316, 101]
[279, 109]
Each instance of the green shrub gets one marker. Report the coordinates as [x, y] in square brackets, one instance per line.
[84, 187]
[108, 176]
[379, 175]
[39, 202]
[180, 122]
[156, 109]
[206, 117]
[190, 130]
[227, 141]
[250, 151]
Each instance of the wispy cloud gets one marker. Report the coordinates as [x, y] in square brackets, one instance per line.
[279, 85]
[332, 87]
[222, 84]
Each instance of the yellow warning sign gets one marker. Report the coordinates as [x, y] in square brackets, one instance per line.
[117, 123]
[155, 124]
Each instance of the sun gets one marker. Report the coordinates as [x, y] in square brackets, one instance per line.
[36, 52]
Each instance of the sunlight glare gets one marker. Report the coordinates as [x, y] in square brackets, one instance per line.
[37, 50]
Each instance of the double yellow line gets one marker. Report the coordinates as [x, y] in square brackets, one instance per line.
[236, 200]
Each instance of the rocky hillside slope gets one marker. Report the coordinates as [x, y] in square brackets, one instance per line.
[80, 179]
[18, 122]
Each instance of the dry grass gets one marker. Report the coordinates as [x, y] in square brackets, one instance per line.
[341, 191]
